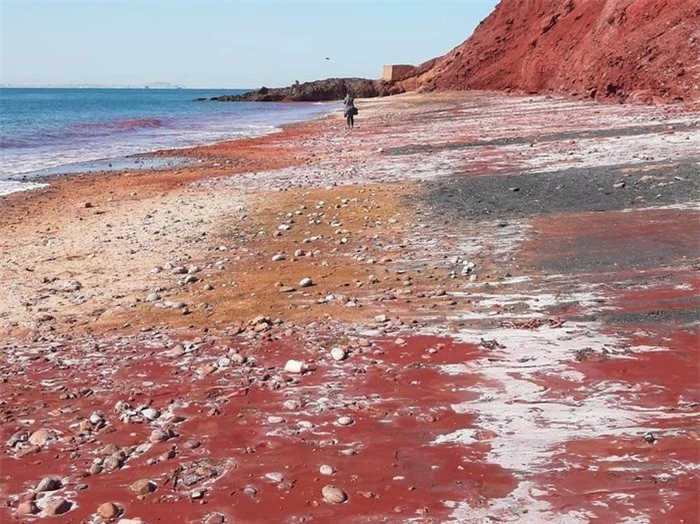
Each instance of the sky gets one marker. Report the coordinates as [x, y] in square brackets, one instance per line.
[223, 43]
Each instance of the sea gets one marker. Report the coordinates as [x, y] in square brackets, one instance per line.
[53, 131]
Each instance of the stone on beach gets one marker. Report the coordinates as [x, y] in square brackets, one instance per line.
[108, 510]
[295, 366]
[306, 282]
[338, 354]
[334, 495]
[28, 507]
[57, 506]
[48, 484]
[143, 486]
[41, 437]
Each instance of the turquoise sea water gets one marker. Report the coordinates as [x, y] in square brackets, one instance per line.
[48, 129]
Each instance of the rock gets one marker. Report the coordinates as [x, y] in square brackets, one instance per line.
[215, 518]
[130, 521]
[334, 495]
[69, 286]
[279, 257]
[291, 404]
[316, 91]
[273, 419]
[306, 282]
[381, 318]
[48, 484]
[197, 494]
[326, 470]
[57, 506]
[152, 297]
[150, 414]
[27, 508]
[158, 435]
[338, 354]
[237, 358]
[96, 418]
[41, 437]
[300, 253]
[108, 511]
[619, 185]
[345, 421]
[189, 279]
[143, 487]
[294, 366]
[275, 477]
[649, 437]
[113, 463]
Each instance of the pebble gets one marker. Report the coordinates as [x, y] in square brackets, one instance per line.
[338, 354]
[27, 508]
[48, 484]
[197, 494]
[345, 421]
[158, 435]
[143, 486]
[275, 477]
[57, 506]
[40, 437]
[278, 257]
[273, 419]
[381, 318]
[150, 414]
[291, 404]
[294, 366]
[326, 470]
[306, 282]
[215, 518]
[334, 495]
[108, 511]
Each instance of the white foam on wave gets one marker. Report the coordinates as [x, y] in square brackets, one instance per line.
[11, 186]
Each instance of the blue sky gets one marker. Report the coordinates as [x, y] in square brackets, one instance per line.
[227, 44]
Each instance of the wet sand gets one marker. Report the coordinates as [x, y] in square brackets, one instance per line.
[501, 323]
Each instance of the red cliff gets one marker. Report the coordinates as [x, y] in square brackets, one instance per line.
[633, 50]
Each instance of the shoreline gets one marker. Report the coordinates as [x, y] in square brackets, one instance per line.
[104, 164]
[503, 299]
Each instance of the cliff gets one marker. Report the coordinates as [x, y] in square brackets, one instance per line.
[628, 50]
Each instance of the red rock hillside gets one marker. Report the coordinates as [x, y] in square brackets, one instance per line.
[633, 50]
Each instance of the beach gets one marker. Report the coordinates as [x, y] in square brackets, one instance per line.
[472, 307]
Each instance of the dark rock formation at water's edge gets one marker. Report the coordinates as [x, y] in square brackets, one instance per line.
[317, 91]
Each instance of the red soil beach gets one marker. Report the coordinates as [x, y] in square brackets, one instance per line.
[501, 326]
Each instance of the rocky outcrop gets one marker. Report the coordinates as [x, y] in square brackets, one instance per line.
[317, 91]
[626, 50]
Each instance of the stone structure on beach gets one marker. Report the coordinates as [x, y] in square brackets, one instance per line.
[392, 73]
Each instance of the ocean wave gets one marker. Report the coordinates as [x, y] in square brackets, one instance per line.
[10, 143]
[131, 124]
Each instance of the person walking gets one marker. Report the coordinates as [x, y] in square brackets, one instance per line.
[349, 110]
